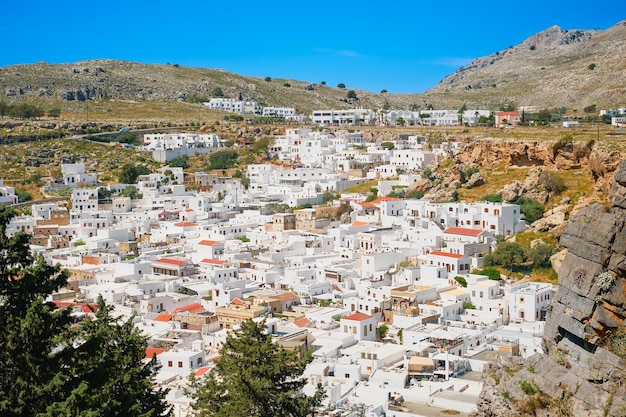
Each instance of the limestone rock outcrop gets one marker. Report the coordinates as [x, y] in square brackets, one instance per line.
[583, 367]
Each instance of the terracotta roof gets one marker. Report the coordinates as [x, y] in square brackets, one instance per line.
[171, 261]
[85, 308]
[213, 261]
[381, 199]
[360, 224]
[192, 308]
[203, 370]
[237, 302]
[303, 322]
[286, 296]
[358, 316]
[374, 203]
[463, 231]
[151, 351]
[185, 224]
[163, 317]
[207, 242]
[446, 254]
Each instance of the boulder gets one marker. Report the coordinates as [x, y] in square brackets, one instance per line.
[475, 180]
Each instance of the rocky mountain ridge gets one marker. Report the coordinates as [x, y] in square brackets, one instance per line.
[554, 68]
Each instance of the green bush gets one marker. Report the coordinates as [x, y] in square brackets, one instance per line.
[509, 254]
[552, 182]
[492, 273]
[130, 172]
[528, 388]
[492, 198]
[415, 194]
[531, 209]
[540, 255]
[467, 173]
[566, 143]
[461, 281]
[180, 162]
[223, 159]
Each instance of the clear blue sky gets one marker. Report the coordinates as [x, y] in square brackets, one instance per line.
[401, 46]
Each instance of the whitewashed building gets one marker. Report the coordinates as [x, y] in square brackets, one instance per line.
[529, 301]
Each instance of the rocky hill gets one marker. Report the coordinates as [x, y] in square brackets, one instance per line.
[556, 67]
[121, 80]
[583, 369]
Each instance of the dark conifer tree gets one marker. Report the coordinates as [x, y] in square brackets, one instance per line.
[51, 368]
[255, 377]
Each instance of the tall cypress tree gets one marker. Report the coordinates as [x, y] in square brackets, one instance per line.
[50, 368]
[255, 377]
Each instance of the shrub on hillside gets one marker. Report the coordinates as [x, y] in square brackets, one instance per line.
[222, 159]
[552, 182]
[540, 255]
[492, 198]
[492, 273]
[530, 208]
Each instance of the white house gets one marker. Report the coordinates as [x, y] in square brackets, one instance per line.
[285, 112]
[411, 159]
[74, 174]
[7, 194]
[333, 117]
[183, 361]
[529, 301]
[231, 105]
[362, 326]
[85, 199]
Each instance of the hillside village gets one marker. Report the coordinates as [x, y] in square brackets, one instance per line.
[384, 291]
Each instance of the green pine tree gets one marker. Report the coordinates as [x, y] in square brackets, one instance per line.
[109, 378]
[255, 377]
[50, 368]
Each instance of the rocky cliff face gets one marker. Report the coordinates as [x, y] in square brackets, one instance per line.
[553, 62]
[583, 369]
[552, 155]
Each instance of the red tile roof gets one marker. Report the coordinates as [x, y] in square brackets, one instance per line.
[303, 322]
[447, 254]
[463, 231]
[207, 242]
[192, 308]
[85, 308]
[185, 224]
[203, 370]
[237, 302]
[286, 296]
[213, 261]
[360, 224]
[171, 261]
[379, 200]
[152, 351]
[358, 316]
[163, 317]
